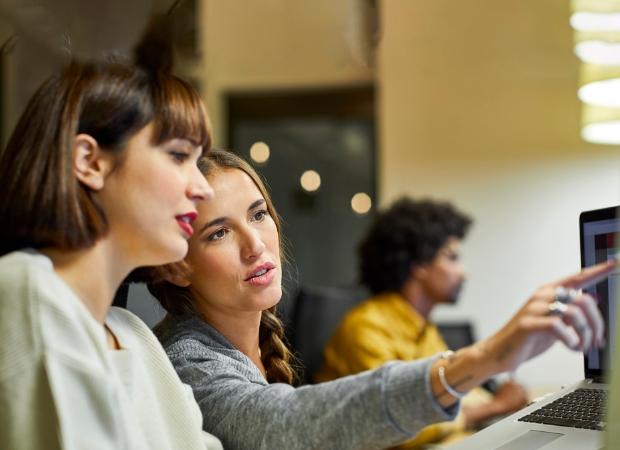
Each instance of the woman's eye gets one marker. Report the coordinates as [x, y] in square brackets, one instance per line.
[217, 235]
[259, 215]
[179, 156]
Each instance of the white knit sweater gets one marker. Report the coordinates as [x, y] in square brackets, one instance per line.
[62, 387]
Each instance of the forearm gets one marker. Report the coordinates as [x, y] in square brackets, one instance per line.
[381, 407]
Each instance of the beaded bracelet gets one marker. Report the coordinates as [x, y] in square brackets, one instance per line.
[442, 377]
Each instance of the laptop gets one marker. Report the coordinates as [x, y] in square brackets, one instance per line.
[575, 417]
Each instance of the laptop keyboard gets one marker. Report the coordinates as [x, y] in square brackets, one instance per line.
[581, 408]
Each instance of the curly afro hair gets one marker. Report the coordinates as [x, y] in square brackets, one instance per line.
[410, 232]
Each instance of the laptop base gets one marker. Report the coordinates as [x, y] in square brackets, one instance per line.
[512, 434]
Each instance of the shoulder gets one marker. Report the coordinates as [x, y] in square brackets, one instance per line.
[189, 331]
[194, 350]
[377, 319]
[140, 342]
[30, 288]
[127, 319]
[22, 269]
[132, 331]
[371, 313]
[197, 364]
[189, 338]
[200, 364]
[21, 339]
[21, 259]
[40, 314]
[199, 351]
[29, 283]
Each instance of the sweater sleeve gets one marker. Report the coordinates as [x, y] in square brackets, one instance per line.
[374, 409]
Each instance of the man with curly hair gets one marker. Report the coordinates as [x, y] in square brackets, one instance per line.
[410, 261]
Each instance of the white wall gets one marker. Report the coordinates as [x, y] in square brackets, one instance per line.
[478, 106]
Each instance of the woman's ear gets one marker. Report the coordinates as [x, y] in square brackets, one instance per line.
[90, 163]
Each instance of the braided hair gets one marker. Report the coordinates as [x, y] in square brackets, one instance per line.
[178, 300]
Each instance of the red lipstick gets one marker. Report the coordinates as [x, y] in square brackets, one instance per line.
[185, 220]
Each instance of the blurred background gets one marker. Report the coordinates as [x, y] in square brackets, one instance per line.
[346, 105]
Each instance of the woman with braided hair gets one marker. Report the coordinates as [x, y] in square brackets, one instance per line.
[213, 295]
[225, 341]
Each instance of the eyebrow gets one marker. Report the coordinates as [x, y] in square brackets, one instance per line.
[257, 203]
[221, 220]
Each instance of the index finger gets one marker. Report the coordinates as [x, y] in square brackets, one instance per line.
[588, 276]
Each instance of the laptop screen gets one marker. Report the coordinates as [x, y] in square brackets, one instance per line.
[598, 231]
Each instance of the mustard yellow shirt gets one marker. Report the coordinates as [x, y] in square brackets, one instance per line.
[381, 329]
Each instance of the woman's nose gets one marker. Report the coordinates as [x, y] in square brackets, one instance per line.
[199, 188]
[253, 246]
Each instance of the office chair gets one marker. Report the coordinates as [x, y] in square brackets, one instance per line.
[316, 313]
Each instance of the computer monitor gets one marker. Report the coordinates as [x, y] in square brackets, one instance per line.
[598, 231]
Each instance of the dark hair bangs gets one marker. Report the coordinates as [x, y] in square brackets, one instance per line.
[180, 113]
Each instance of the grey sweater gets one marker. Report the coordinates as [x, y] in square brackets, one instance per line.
[370, 410]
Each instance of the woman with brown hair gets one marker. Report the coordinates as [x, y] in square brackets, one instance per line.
[224, 340]
[99, 178]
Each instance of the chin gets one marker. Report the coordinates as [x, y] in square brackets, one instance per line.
[272, 297]
[173, 253]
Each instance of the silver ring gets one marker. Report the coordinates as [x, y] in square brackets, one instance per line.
[557, 308]
[564, 295]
